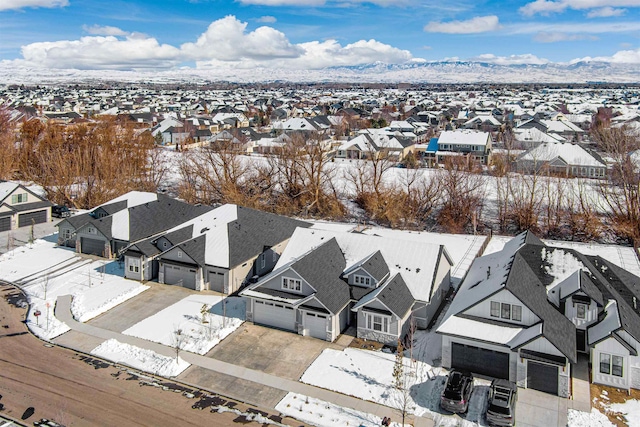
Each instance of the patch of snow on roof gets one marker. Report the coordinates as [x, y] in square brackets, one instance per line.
[464, 327]
[134, 198]
[610, 323]
[7, 188]
[120, 225]
[526, 335]
[561, 265]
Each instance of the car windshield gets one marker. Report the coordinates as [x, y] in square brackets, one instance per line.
[504, 410]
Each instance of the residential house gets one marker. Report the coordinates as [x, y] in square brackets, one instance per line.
[219, 250]
[564, 159]
[476, 145]
[327, 280]
[21, 207]
[527, 312]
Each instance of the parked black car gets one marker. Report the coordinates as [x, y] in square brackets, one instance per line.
[457, 392]
[60, 211]
[501, 409]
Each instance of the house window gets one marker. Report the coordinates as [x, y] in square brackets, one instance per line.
[274, 256]
[164, 244]
[66, 234]
[495, 309]
[91, 230]
[362, 280]
[263, 260]
[291, 284]
[179, 254]
[610, 364]
[581, 310]
[377, 322]
[505, 311]
[19, 198]
[516, 313]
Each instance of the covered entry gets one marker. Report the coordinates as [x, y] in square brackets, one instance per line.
[274, 314]
[37, 217]
[480, 360]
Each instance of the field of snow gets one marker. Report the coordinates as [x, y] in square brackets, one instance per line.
[368, 375]
[139, 358]
[630, 410]
[201, 332]
[45, 271]
[320, 413]
[587, 419]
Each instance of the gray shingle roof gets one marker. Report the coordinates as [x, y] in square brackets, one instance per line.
[195, 249]
[254, 230]
[376, 266]
[396, 296]
[322, 268]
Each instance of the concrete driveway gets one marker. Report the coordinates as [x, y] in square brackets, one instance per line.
[272, 351]
[538, 409]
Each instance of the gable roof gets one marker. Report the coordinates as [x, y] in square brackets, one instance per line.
[394, 294]
[373, 264]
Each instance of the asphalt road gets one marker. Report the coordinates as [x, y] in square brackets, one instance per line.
[74, 390]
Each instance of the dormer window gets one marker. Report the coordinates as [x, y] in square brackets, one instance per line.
[179, 254]
[290, 284]
[91, 230]
[506, 311]
[164, 244]
[581, 311]
[19, 198]
[362, 280]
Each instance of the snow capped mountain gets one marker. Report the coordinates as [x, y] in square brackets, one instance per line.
[410, 72]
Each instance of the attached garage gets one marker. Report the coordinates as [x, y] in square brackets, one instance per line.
[92, 246]
[274, 314]
[216, 281]
[180, 275]
[481, 361]
[542, 377]
[36, 217]
[5, 223]
[315, 325]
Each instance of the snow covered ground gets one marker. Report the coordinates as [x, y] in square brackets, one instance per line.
[139, 358]
[222, 317]
[630, 410]
[45, 271]
[587, 419]
[320, 413]
[368, 375]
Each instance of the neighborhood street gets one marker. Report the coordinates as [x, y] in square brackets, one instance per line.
[77, 393]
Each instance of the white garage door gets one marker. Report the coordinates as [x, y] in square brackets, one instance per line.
[315, 325]
[273, 314]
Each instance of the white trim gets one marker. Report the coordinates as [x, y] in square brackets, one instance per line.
[372, 320]
[296, 284]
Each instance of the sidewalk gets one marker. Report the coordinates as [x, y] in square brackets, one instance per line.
[63, 313]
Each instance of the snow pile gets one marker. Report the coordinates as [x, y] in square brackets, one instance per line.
[630, 410]
[320, 413]
[201, 331]
[369, 375]
[587, 419]
[139, 358]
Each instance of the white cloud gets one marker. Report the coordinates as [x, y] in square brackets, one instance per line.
[573, 27]
[620, 57]
[98, 52]
[98, 30]
[525, 59]
[479, 24]
[554, 37]
[284, 2]
[606, 12]
[267, 19]
[21, 4]
[226, 43]
[226, 39]
[545, 7]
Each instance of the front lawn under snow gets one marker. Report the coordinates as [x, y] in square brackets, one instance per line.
[368, 375]
[200, 331]
[139, 358]
[45, 271]
[320, 413]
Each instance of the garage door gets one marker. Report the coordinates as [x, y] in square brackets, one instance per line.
[92, 246]
[315, 325]
[542, 377]
[273, 314]
[182, 276]
[480, 361]
[5, 223]
[37, 217]
[216, 281]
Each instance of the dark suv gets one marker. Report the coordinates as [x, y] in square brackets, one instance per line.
[457, 392]
[60, 211]
[501, 408]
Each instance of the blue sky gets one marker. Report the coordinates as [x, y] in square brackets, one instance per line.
[307, 34]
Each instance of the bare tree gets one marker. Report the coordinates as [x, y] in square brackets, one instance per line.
[178, 340]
